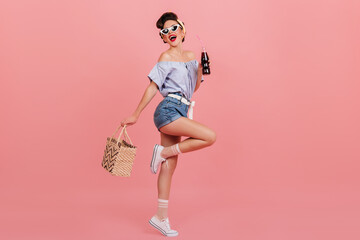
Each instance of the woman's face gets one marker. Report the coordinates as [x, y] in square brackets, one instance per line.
[179, 33]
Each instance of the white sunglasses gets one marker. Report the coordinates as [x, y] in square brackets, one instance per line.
[173, 28]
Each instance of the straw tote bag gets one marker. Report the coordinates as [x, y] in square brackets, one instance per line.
[119, 155]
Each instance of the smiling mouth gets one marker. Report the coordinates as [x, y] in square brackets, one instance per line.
[172, 38]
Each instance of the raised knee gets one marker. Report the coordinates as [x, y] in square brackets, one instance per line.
[211, 138]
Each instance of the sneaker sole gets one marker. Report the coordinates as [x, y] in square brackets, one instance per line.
[162, 231]
[153, 159]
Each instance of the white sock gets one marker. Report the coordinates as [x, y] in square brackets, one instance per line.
[162, 208]
[175, 149]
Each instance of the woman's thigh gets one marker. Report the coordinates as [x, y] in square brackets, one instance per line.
[169, 140]
[190, 128]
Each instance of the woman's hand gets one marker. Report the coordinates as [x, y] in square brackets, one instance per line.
[200, 69]
[129, 120]
[201, 66]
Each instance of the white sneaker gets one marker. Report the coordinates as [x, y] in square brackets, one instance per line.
[163, 226]
[156, 158]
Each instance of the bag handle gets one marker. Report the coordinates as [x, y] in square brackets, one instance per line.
[125, 135]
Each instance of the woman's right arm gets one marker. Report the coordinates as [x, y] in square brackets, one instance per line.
[149, 93]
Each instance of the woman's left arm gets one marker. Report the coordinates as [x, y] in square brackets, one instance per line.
[199, 75]
[191, 55]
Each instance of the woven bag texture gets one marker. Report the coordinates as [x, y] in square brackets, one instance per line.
[119, 155]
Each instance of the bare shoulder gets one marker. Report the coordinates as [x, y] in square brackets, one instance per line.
[164, 57]
[190, 55]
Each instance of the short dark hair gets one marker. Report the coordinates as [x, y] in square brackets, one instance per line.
[167, 16]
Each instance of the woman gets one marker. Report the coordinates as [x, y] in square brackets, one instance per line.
[177, 77]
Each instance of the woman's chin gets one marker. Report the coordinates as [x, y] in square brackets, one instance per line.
[174, 44]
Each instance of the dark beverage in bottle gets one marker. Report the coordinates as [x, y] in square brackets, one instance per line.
[205, 62]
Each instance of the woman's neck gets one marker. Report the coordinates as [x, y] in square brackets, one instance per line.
[177, 50]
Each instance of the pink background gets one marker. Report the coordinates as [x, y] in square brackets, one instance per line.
[283, 98]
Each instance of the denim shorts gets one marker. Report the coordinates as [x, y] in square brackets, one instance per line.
[168, 110]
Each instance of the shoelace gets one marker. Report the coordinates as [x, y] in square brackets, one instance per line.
[167, 224]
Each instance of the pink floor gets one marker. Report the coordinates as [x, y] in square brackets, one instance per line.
[233, 212]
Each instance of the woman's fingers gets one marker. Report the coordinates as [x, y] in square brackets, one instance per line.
[128, 121]
[124, 122]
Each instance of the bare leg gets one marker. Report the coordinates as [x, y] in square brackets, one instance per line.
[200, 136]
[165, 175]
